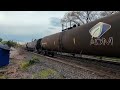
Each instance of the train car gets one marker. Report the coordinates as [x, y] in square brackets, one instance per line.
[38, 45]
[100, 37]
[31, 46]
[51, 42]
[24, 46]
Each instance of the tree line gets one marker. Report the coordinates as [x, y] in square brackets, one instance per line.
[10, 43]
[83, 17]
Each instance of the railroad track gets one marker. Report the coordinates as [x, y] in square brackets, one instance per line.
[107, 68]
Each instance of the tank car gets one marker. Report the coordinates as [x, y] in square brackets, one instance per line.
[38, 45]
[31, 46]
[100, 37]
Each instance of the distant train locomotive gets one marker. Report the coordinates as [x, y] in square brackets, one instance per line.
[100, 37]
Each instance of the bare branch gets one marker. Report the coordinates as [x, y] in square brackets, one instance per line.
[83, 17]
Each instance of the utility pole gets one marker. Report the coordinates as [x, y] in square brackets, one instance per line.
[70, 23]
[62, 26]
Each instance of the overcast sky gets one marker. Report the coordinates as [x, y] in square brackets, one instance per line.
[23, 26]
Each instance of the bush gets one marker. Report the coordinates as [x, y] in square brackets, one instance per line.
[10, 43]
[0, 39]
[26, 64]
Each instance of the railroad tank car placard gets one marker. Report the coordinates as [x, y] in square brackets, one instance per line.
[97, 32]
[99, 29]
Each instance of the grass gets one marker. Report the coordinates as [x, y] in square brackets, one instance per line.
[45, 74]
[2, 76]
[114, 59]
[35, 59]
[26, 63]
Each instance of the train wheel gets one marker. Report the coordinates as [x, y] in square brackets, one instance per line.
[38, 51]
[45, 53]
[73, 55]
[52, 54]
[101, 57]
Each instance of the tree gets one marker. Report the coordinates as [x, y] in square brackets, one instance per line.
[11, 43]
[83, 17]
[107, 13]
[79, 17]
[0, 39]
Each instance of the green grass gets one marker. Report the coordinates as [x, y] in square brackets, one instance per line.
[35, 59]
[114, 59]
[44, 74]
[2, 76]
[26, 63]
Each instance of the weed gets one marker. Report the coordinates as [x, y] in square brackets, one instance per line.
[45, 74]
[35, 59]
[3, 77]
[26, 63]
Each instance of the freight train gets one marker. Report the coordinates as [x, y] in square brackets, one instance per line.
[100, 37]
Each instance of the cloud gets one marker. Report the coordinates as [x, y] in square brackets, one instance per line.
[27, 25]
[51, 28]
[55, 22]
[24, 33]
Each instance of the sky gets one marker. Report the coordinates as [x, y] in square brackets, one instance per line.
[23, 26]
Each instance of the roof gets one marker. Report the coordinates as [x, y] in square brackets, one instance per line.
[4, 46]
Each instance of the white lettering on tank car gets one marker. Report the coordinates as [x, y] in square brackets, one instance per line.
[44, 43]
[54, 42]
[102, 41]
[74, 40]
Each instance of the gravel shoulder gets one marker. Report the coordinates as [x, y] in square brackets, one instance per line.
[24, 65]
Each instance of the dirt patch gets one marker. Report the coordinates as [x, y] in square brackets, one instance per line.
[17, 54]
[12, 70]
[24, 65]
